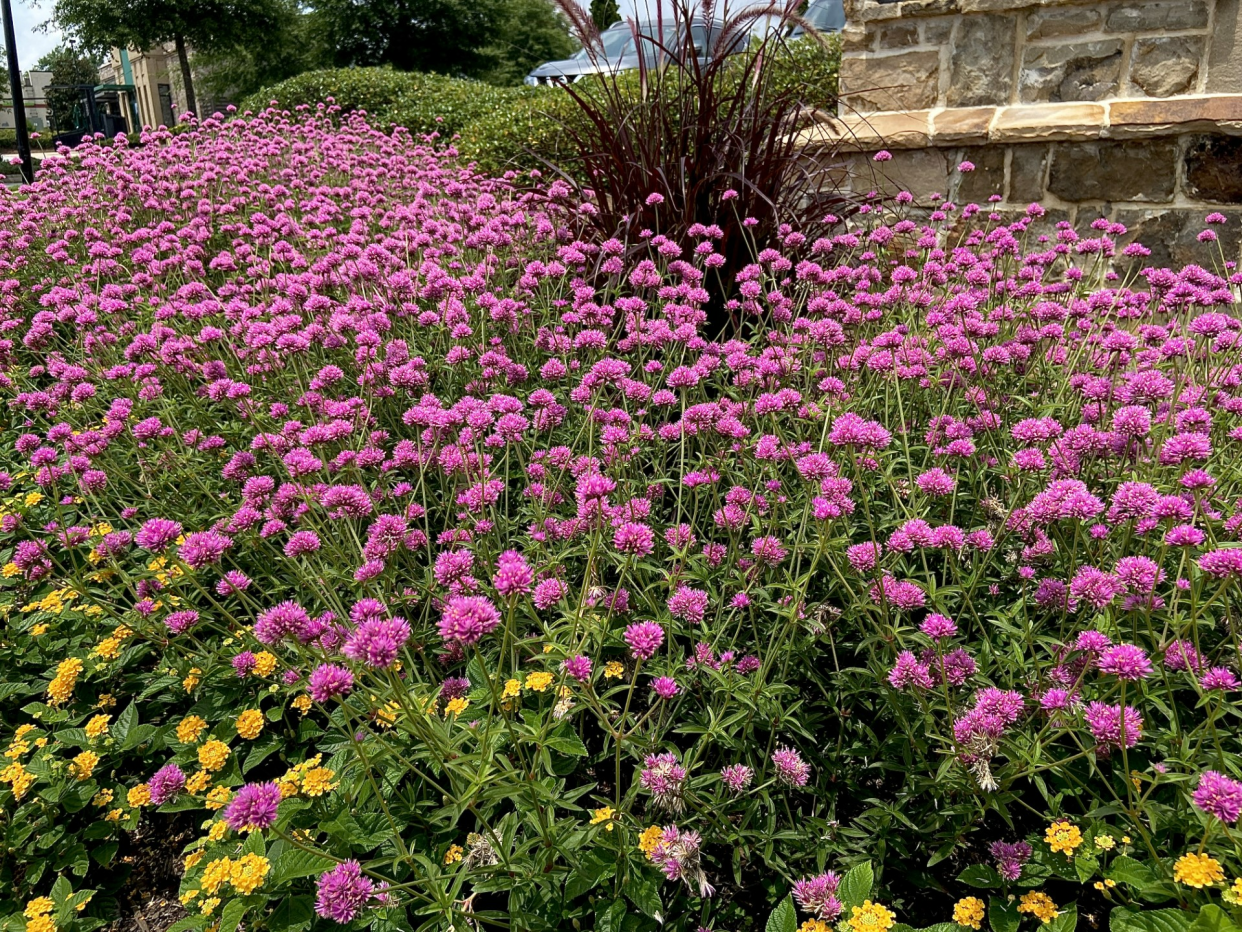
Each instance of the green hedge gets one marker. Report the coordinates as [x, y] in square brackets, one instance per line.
[503, 127]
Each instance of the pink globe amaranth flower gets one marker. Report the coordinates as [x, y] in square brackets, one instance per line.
[644, 639]
[665, 779]
[1112, 728]
[1220, 679]
[938, 627]
[677, 854]
[1183, 655]
[466, 619]
[302, 543]
[182, 621]
[548, 593]
[863, 557]
[768, 551]
[1125, 661]
[1223, 564]
[791, 769]
[903, 595]
[1219, 796]
[908, 671]
[578, 667]
[329, 680]
[736, 778]
[817, 896]
[688, 604]
[1184, 535]
[634, 539]
[1010, 857]
[157, 534]
[343, 892]
[665, 687]
[513, 577]
[935, 482]
[166, 784]
[454, 687]
[203, 548]
[244, 663]
[376, 642]
[254, 807]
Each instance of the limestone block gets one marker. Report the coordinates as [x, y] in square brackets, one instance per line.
[1157, 16]
[982, 70]
[1048, 122]
[1166, 66]
[1137, 170]
[1063, 21]
[963, 124]
[1027, 167]
[1071, 71]
[904, 81]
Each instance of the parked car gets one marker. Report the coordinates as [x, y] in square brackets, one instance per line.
[824, 16]
[620, 52]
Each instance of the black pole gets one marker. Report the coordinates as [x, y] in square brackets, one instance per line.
[15, 86]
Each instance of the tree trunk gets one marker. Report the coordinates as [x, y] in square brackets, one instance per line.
[186, 77]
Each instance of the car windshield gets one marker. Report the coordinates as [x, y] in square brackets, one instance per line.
[617, 43]
[826, 16]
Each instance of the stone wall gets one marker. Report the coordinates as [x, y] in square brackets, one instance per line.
[1128, 109]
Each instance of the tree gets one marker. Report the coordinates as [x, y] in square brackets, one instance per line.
[69, 68]
[529, 33]
[290, 48]
[204, 25]
[604, 13]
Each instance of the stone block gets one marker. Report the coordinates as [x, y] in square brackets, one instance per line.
[1224, 68]
[906, 130]
[982, 70]
[1071, 72]
[1048, 122]
[1172, 236]
[1166, 66]
[963, 124]
[1063, 21]
[1137, 170]
[903, 81]
[987, 178]
[1214, 168]
[922, 172]
[1132, 117]
[1027, 166]
[937, 31]
[1157, 16]
[898, 35]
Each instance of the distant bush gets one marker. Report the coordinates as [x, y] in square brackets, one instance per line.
[505, 127]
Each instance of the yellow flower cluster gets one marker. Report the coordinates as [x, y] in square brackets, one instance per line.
[968, 912]
[37, 918]
[246, 874]
[456, 706]
[648, 840]
[190, 729]
[1039, 905]
[97, 727]
[538, 681]
[307, 778]
[82, 766]
[19, 778]
[54, 602]
[814, 925]
[1063, 837]
[218, 798]
[192, 679]
[1197, 870]
[603, 816]
[264, 664]
[61, 688]
[250, 724]
[454, 853]
[213, 755]
[872, 917]
[614, 669]
[138, 796]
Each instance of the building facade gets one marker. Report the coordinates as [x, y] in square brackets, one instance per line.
[34, 96]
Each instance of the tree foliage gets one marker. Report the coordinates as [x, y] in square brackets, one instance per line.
[204, 25]
[497, 40]
[68, 67]
[604, 13]
[290, 48]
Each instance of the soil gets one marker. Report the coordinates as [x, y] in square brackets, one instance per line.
[148, 896]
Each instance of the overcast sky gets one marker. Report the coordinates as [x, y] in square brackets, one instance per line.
[32, 44]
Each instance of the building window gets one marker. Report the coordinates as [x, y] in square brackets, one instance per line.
[166, 107]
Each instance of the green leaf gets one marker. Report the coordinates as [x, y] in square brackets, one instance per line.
[1066, 920]
[784, 918]
[292, 913]
[593, 868]
[643, 891]
[983, 876]
[1003, 915]
[261, 752]
[1151, 920]
[610, 918]
[1126, 870]
[124, 724]
[570, 745]
[189, 923]
[856, 884]
[1213, 919]
[231, 915]
[1085, 867]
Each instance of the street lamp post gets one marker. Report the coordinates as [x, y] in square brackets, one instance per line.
[15, 86]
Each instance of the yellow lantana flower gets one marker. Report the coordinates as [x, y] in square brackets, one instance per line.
[1063, 837]
[1197, 870]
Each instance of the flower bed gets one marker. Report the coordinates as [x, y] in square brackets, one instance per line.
[437, 565]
